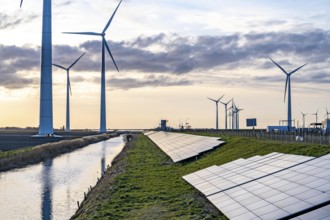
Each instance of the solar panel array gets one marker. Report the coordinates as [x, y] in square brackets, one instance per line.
[179, 146]
[268, 187]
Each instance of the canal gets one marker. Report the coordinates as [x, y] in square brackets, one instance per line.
[50, 190]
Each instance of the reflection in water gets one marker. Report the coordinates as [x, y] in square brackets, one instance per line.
[103, 158]
[46, 200]
[50, 190]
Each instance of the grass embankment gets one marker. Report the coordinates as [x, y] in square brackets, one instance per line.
[33, 155]
[144, 184]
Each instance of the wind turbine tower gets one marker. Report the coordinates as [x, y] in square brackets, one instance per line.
[103, 127]
[46, 83]
[68, 90]
[229, 115]
[233, 115]
[288, 88]
[303, 115]
[237, 110]
[226, 112]
[216, 114]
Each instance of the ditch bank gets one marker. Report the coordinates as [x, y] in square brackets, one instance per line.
[33, 155]
[106, 182]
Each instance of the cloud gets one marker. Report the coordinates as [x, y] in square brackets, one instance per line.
[8, 21]
[13, 60]
[65, 3]
[172, 56]
[183, 55]
[149, 81]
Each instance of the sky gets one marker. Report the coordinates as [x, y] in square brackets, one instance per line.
[172, 56]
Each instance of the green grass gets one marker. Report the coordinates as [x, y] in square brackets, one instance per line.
[150, 186]
[4, 154]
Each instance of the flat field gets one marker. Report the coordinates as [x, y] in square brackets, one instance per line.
[20, 138]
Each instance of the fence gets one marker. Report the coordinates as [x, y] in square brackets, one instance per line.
[314, 138]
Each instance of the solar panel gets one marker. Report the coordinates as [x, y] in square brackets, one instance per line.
[241, 171]
[179, 146]
[321, 213]
[280, 185]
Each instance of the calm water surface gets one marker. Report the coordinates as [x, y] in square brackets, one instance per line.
[50, 190]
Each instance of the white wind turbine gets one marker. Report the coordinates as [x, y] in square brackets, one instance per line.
[226, 112]
[288, 88]
[216, 114]
[68, 90]
[105, 46]
[303, 115]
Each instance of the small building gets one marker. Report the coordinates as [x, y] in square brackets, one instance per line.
[279, 128]
[163, 125]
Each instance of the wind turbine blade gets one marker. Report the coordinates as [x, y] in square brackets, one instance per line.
[21, 4]
[297, 69]
[59, 66]
[108, 49]
[76, 61]
[278, 66]
[286, 86]
[212, 100]
[109, 22]
[84, 33]
[220, 98]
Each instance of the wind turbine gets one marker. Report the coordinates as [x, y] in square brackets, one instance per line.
[226, 114]
[216, 116]
[46, 83]
[303, 115]
[316, 114]
[288, 88]
[103, 127]
[68, 90]
[232, 114]
[237, 110]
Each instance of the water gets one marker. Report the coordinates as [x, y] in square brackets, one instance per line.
[50, 190]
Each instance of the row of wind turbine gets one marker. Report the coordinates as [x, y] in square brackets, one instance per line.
[234, 114]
